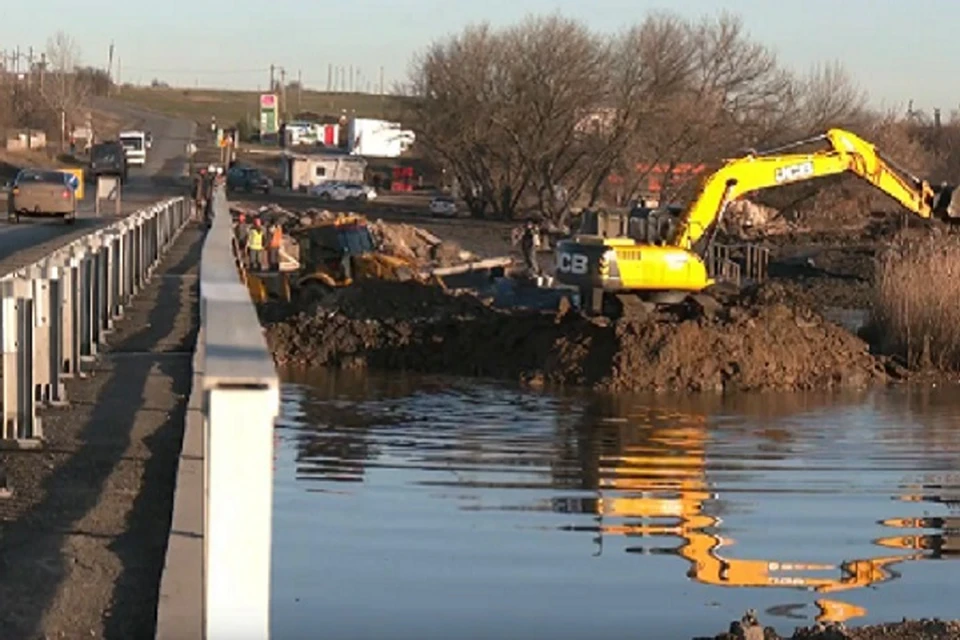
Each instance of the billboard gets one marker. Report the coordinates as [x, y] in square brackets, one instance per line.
[268, 114]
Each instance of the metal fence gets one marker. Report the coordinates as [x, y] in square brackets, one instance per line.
[241, 400]
[55, 313]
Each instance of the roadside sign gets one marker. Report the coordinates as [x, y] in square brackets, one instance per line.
[76, 181]
[268, 113]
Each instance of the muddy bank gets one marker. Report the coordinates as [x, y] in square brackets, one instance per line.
[750, 629]
[759, 339]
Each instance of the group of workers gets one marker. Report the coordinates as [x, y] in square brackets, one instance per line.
[254, 242]
[204, 183]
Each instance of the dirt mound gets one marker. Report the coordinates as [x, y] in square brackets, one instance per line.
[385, 300]
[749, 628]
[758, 341]
[413, 243]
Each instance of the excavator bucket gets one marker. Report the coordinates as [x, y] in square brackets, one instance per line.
[945, 204]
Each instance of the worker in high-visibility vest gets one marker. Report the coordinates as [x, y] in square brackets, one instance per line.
[273, 246]
[255, 245]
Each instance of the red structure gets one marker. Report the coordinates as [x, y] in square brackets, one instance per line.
[679, 174]
[402, 179]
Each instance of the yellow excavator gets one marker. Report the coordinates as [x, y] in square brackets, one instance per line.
[662, 258]
[654, 484]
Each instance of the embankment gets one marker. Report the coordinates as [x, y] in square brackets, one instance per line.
[761, 339]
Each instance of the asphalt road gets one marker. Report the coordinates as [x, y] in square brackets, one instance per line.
[163, 176]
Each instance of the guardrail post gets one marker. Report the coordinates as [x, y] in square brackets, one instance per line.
[20, 421]
[71, 332]
[108, 257]
[138, 262]
[129, 284]
[40, 287]
[97, 291]
[47, 342]
[116, 275]
[88, 345]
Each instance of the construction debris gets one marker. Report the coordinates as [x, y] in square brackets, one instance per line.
[396, 239]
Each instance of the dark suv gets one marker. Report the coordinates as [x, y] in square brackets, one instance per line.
[108, 159]
[248, 179]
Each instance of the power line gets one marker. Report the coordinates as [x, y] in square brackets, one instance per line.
[192, 70]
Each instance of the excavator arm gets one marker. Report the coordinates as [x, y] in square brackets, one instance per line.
[846, 152]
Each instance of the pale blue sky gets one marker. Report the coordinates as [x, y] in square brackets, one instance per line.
[897, 49]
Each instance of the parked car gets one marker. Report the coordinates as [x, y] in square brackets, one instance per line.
[443, 207]
[248, 179]
[39, 192]
[338, 190]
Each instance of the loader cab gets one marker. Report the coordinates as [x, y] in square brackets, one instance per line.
[329, 247]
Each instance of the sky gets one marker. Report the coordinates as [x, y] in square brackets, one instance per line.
[896, 50]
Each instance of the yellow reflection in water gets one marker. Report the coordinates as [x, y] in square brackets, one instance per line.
[656, 485]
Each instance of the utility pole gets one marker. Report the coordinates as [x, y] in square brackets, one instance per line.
[109, 68]
[351, 78]
[329, 77]
[43, 69]
[283, 92]
[272, 85]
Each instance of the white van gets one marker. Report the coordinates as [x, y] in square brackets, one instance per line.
[135, 145]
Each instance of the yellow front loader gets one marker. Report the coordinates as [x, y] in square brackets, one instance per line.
[332, 254]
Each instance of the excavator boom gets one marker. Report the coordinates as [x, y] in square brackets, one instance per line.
[846, 152]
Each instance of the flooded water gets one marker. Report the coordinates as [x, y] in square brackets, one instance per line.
[421, 508]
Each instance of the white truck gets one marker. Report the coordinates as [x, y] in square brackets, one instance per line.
[135, 144]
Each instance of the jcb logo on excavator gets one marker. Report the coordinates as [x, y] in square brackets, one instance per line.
[575, 263]
[793, 172]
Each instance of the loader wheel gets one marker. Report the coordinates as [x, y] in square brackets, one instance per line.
[311, 294]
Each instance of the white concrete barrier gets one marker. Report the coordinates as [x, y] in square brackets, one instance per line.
[55, 313]
[242, 401]
[223, 507]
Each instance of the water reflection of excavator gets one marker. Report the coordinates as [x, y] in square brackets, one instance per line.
[663, 254]
[656, 485]
[945, 543]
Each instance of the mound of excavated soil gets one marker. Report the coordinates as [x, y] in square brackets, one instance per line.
[903, 630]
[757, 341]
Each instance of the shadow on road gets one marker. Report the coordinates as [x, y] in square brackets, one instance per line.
[59, 559]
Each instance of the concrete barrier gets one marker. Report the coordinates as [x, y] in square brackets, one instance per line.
[55, 314]
[216, 579]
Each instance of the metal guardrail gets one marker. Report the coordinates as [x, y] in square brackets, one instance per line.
[55, 313]
[241, 400]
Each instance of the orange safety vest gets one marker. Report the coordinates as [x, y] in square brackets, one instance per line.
[276, 238]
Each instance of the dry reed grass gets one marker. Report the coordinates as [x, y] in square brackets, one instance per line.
[917, 307]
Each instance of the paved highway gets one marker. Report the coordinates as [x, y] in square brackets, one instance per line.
[164, 175]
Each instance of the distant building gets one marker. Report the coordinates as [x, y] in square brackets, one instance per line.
[301, 133]
[303, 170]
[377, 138]
[598, 121]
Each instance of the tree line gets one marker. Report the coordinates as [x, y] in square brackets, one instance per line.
[54, 90]
[547, 111]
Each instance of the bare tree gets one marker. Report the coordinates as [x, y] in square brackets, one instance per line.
[458, 100]
[62, 88]
[549, 112]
